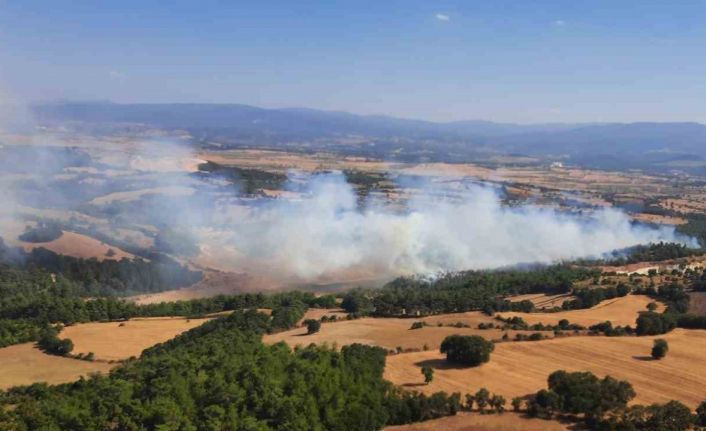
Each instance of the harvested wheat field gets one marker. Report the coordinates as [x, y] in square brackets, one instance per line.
[83, 246]
[474, 422]
[541, 300]
[621, 311]
[390, 333]
[318, 313]
[115, 341]
[521, 368]
[133, 195]
[24, 364]
[212, 284]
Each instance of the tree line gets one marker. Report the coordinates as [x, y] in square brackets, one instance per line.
[603, 405]
[31, 300]
[464, 291]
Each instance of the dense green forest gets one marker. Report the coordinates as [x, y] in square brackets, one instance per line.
[654, 252]
[464, 291]
[108, 277]
[220, 376]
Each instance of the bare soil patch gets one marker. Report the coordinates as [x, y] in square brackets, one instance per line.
[697, 305]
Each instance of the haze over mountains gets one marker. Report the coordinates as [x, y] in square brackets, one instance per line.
[652, 146]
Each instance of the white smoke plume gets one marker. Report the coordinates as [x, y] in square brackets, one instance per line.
[326, 232]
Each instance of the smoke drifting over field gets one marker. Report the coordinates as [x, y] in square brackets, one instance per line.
[327, 233]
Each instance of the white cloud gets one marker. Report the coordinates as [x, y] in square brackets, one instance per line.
[443, 17]
[560, 23]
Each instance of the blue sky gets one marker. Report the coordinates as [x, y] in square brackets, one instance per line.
[522, 61]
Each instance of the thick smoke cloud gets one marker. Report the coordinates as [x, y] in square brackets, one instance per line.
[326, 232]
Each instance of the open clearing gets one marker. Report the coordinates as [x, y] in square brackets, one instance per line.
[213, 283]
[318, 313]
[521, 368]
[621, 311]
[115, 341]
[541, 300]
[475, 422]
[77, 245]
[24, 364]
[391, 333]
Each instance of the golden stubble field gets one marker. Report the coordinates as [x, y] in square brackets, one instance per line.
[389, 333]
[82, 246]
[521, 368]
[24, 364]
[111, 342]
[620, 311]
[116, 341]
[475, 422]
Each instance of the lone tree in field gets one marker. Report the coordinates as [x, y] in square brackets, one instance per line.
[660, 349]
[428, 373]
[468, 350]
[312, 326]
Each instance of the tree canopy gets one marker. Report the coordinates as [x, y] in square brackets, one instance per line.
[470, 350]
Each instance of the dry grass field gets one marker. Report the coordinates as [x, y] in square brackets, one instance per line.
[213, 283]
[621, 311]
[475, 422]
[24, 364]
[282, 161]
[134, 195]
[659, 219]
[541, 300]
[520, 368]
[391, 333]
[318, 313]
[115, 341]
[77, 245]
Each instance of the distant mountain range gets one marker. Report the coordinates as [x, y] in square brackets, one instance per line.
[657, 146]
